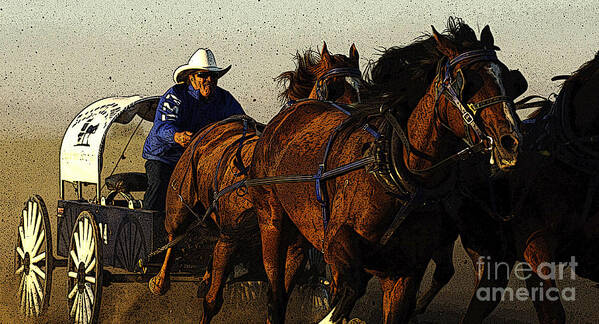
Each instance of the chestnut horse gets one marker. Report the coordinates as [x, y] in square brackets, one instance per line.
[420, 90]
[215, 163]
[552, 197]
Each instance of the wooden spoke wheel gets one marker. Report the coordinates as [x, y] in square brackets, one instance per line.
[84, 270]
[130, 245]
[34, 261]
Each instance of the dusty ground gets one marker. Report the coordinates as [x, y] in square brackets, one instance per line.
[31, 167]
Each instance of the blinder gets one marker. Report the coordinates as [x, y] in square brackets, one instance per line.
[519, 83]
[459, 83]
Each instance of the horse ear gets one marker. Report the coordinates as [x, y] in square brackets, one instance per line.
[353, 54]
[486, 38]
[324, 53]
[444, 45]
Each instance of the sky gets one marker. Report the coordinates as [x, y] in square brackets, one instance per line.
[56, 57]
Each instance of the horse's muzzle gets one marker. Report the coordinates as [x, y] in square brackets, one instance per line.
[506, 151]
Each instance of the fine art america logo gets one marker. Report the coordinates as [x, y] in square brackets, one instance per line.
[523, 271]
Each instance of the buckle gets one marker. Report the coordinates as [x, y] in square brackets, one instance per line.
[472, 108]
[468, 119]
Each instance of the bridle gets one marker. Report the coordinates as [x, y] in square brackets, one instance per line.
[445, 83]
[352, 75]
[451, 86]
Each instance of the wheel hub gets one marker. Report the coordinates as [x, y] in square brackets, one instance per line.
[81, 277]
[27, 263]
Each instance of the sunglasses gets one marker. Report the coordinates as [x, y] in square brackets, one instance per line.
[205, 75]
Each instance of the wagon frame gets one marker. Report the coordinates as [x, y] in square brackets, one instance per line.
[94, 233]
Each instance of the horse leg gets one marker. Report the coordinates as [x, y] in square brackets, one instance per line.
[350, 280]
[444, 271]
[399, 298]
[270, 217]
[160, 283]
[491, 276]
[205, 283]
[295, 261]
[547, 311]
[538, 254]
[213, 301]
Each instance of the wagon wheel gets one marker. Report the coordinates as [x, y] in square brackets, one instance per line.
[84, 270]
[130, 245]
[34, 261]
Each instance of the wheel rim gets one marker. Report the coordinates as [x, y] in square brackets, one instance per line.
[84, 271]
[33, 255]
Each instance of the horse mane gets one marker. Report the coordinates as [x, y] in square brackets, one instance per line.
[299, 83]
[584, 73]
[402, 74]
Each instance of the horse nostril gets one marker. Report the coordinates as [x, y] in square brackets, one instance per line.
[509, 143]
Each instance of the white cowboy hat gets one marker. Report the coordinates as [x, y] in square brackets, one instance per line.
[202, 60]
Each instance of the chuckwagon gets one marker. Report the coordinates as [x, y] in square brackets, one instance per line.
[101, 239]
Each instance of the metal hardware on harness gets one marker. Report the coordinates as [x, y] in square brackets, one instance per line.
[468, 119]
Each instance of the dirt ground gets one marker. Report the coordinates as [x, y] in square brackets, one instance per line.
[31, 167]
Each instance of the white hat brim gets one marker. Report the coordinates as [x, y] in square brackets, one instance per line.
[182, 71]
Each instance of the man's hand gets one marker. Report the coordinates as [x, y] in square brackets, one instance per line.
[183, 138]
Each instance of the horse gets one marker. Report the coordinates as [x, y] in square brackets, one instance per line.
[206, 179]
[364, 175]
[551, 221]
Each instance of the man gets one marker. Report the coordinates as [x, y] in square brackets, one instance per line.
[192, 103]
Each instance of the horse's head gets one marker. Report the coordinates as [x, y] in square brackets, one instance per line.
[323, 76]
[338, 77]
[474, 94]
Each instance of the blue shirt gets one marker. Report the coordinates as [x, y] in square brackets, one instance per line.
[182, 108]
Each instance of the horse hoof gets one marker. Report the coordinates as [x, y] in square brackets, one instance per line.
[158, 286]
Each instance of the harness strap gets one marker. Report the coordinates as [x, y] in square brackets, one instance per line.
[225, 155]
[321, 195]
[401, 215]
[321, 89]
[238, 161]
[338, 107]
[475, 107]
[461, 155]
[307, 178]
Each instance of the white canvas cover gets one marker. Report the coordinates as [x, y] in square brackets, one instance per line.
[83, 142]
